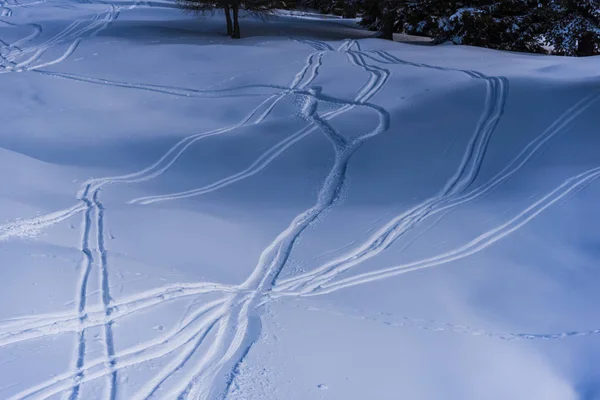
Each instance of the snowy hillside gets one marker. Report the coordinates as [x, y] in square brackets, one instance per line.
[305, 213]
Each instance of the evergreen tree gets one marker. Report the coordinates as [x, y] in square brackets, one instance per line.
[371, 14]
[570, 27]
[382, 16]
[573, 27]
[508, 25]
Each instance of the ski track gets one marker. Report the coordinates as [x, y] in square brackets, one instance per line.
[85, 266]
[52, 324]
[496, 96]
[227, 328]
[398, 226]
[29, 227]
[272, 153]
[14, 56]
[476, 245]
[135, 355]
[234, 338]
[109, 346]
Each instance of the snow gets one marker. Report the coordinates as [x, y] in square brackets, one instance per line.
[305, 213]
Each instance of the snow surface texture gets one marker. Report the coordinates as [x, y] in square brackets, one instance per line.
[302, 214]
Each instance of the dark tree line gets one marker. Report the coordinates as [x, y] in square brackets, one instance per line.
[565, 27]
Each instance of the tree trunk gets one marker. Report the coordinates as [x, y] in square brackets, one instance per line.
[387, 30]
[236, 22]
[585, 45]
[228, 18]
[349, 10]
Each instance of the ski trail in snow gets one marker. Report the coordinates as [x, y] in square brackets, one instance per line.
[161, 166]
[109, 345]
[85, 266]
[34, 225]
[450, 197]
[181, 146]
[74, 33]
[272, 153]
[376, 244]
[569, 185]
[14, 60]
[235, 337]
[315, 44]
[34, 327]
[480, 243]
[496, 96]
[169, 90]
[227, 328]
[218, 347]
[95, 186]
[391, 59]
[31, 226]
[264, 159]
[175, 366]
[92, 203]
[4, 46]
[134, 355]
[5, 10]
[245, 307]
[313, 63]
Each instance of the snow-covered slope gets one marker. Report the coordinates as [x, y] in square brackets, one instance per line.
[305, 213]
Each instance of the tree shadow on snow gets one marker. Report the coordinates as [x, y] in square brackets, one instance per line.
[196, 30]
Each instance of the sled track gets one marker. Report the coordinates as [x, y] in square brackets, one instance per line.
[225, 329]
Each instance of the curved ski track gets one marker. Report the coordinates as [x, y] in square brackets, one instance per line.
[227, 328]
[23, 55]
